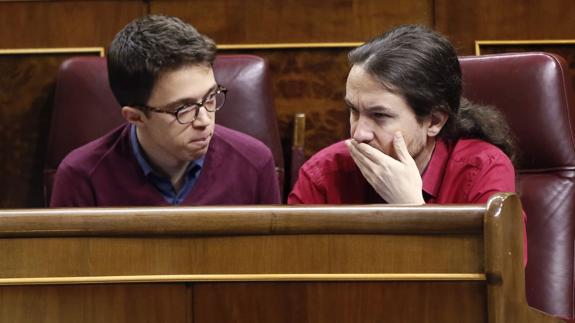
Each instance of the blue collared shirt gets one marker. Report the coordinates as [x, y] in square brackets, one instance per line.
[163, 184]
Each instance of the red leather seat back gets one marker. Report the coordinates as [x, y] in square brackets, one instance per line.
[85, 107]
[534, 92]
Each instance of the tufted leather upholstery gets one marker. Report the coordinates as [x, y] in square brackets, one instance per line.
[85, 108]
[534, 92]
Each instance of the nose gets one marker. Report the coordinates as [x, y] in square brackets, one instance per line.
[362, 130]
[202, 119]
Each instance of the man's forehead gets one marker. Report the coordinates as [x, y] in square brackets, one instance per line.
[368, 100]
[184, 84]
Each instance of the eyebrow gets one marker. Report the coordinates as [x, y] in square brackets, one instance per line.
[372, 108]
[186, 100]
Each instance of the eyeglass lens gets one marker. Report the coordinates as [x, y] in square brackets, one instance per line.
[212, 103]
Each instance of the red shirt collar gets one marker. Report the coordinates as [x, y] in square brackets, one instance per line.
[433, 174]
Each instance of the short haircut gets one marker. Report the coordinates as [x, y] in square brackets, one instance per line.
[149, 46]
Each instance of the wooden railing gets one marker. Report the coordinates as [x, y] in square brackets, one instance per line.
[265, 264]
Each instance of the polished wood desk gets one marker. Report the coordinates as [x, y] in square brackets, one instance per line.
[265, 264]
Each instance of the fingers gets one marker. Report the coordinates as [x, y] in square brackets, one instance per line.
[394, 180]
[369, 152]
[401, 148]
[365, 165]
[361, 159]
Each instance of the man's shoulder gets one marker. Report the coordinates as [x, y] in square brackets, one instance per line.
[238, 139]
[88, 156]
[333, 158]
[478, 153]
[228, 141]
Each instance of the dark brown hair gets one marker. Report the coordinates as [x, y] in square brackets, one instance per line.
[149, 46]
[422, 66]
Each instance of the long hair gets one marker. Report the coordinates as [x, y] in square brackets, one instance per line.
[422, 66]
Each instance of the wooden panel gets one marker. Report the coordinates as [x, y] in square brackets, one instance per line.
[240, 220]
[26, 82]
[134, 303]
[277, 21]
[312, 81]
[340, 302]
[467, 21]
[64, 23]
[26, 93]
[240, 240]
[412, 296]
[301, 254]
[306, 80]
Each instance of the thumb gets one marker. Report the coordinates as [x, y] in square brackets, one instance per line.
[401, 148]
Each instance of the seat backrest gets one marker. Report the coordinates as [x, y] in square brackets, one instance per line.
[85, 107]
[534, 92]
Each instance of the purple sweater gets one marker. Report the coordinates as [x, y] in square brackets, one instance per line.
[238, 169]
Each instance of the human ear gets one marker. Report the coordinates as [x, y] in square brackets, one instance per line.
[438, 120]
[133, 115]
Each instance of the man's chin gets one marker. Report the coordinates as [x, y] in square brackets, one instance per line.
[197, 152]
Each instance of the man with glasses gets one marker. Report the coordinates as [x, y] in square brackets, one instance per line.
[170, 152]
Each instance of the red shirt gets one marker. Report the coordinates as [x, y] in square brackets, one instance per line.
[469, 171]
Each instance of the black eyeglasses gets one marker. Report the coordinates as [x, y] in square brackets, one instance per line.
[188, 112]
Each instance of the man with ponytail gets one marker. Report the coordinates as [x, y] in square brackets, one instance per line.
[414, 139]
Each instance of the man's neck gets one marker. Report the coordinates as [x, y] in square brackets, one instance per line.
[162, 162]
[424, 156]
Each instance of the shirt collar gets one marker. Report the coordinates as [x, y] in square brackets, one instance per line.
[433, 174]
[195, 165]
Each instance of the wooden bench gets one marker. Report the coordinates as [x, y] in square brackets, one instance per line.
[265, 264]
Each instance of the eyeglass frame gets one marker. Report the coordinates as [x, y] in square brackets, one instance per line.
[196, 105]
